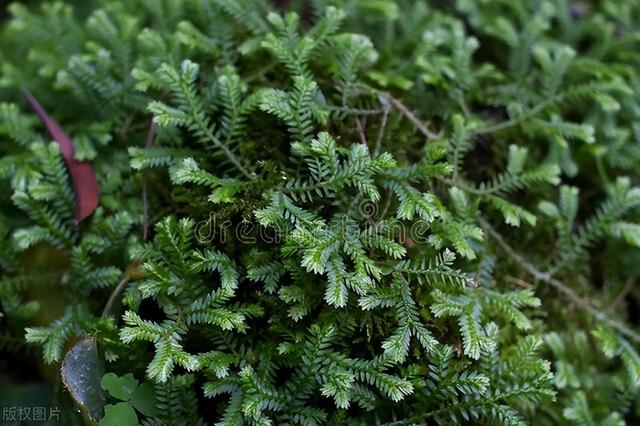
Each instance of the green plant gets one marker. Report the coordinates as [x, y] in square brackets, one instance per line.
[330, 212]
[132, 396]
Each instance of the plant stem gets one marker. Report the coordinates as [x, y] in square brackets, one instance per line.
[411, 116]
[517, 120]
[383, 126]
[557, 284]
[121, 285]
[356, 111]
[363, 137]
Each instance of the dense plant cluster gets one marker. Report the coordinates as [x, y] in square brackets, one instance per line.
[327, 211]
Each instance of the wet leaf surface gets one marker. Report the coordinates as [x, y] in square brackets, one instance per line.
[81, 373]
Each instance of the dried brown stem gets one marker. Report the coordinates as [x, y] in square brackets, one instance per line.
[628, 285]
[363, 137]
[557, 284]
[411, 116]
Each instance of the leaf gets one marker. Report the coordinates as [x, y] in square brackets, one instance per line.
[83, 178]
[513, 214]
[629, 231]
[517, 157]
[396, 346]
[119, 387]
[81, 372]
[144, 399]
[120, 414]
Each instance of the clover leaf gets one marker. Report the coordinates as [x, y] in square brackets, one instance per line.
[132, 396]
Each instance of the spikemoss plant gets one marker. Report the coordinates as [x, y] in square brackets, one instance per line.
[329, 211]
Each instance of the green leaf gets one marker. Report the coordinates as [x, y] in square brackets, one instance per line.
[120, 414]
[629, 231]
[119, 387]
[144, 399]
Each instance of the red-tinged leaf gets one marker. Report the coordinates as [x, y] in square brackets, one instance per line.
[83, 179]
